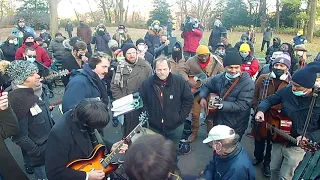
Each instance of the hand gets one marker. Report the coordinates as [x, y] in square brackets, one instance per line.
[123, 148]
[259, 116]
[203, 103]
[167, 42]
[302, 141]
[96, 175]
[84, 58]
[4, 103]
[51, 108]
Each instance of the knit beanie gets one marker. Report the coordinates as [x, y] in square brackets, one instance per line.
[140, 41]
[127, 46]
[244, 48]
[26, 35]
[112, 43]
[232, 58]
[284, 59]
[202, 49]
[73, 40]
[11, 37]
[20, 70]
[306, 77]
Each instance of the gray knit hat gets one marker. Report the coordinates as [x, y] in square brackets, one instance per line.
[20, 70]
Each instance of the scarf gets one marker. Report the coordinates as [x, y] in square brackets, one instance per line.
[118, 77]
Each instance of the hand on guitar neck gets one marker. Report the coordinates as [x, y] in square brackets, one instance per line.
[123, 148]
[259, 116]
[303, 142]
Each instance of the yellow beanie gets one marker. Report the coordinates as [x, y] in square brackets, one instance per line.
[300, 32]
[244, 47]
[202, 50]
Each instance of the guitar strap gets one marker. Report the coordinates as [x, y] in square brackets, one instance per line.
[98, 136]
[231, 87]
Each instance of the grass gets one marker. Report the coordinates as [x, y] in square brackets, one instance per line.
[234, 37]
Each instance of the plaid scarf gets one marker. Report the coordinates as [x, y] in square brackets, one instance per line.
[118, 77]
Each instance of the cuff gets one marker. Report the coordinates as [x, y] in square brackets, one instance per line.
[87, 176]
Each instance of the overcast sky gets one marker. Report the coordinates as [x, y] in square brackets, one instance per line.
[65, 9]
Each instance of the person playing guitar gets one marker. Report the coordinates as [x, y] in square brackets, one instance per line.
[73, 137]
[199, 68]
[295, 99]
[266, 85]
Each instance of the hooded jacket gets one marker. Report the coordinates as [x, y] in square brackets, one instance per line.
[56, 49]
[250, 65]
[177, 61]
[274, 48]
[101, 41]
[42, 55]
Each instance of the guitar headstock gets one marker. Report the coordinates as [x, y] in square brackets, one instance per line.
[143, 117]
[64, 72]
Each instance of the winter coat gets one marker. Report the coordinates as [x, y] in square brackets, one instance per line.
[238, 44]
[9, 50]
[267, 35]
[215, 37]
[82, 85]
[178, 67]
[9, 126]
[56, 49]
[42, 55]
[131, 81]
[85, 33]
[152, 39]
[167, 105]
[73, 144]
[296, 108]
[250, 65]
[272, 49]
[122, 38]
[298, 40]
[69, 27]
[191, 40]
[235, 166]
[46, 37]
[101, 42]
[236, 106]
[34, 130]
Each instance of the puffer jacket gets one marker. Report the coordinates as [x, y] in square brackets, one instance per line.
[101, 42]
[56, 49]
[250, 65]
[236, 106]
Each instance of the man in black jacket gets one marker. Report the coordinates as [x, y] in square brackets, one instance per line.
[234, 110]
[295, 100]
[74, 137]
[167, 98]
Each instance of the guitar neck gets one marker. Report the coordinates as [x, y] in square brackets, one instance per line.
[283, 134]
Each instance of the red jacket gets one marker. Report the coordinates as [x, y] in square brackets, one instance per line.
[252, 68]
[191, 40]
[42, 55]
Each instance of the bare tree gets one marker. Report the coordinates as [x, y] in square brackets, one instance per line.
[126, 13]
[312, 17]
[54, 26]
[75, 12]
[277, 15]
[263, 14]
[203, 9]
[91, 12]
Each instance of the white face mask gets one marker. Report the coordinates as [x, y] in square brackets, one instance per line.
[121, 31]
[141, 47]
[300, 53]
[244, 54]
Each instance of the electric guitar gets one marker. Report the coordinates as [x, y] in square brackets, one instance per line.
[98, 160]
[64, 72]
[280, 129]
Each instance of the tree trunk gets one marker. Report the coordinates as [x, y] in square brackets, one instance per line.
[126, 13]
[121, 11]
[91, 12]
[104, 10]
[263, 14]
[312, 17]
[277, 15]
[295, 20]
[1, 9]
[54, 16]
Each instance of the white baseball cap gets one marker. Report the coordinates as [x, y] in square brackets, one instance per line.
[276, 54]
[219, 132]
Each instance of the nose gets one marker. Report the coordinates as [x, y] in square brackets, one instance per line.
[37, 75]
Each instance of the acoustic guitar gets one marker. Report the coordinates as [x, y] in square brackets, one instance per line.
[64, 72]
[99, 161]
[280, 129]
[198, 77]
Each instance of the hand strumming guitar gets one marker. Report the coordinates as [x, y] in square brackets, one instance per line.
[96, 175]
[259, 116]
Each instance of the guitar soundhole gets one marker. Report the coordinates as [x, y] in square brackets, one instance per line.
[83, 166]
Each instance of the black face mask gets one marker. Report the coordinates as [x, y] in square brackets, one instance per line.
[277, 72]
[29, 44]
[176, 55]
[80, 56]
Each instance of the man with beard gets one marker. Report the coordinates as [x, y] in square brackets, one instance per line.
[266, 85]
[31, 106]
[128, 78]
[21, 30]
[87, 82]
[42, 55]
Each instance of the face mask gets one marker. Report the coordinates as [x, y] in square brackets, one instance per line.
[299, 93]
[15, 42]
[176, 55]
[32, 59]
[279, 74]
[298, 34]
[120, 58]
[21, 24]
[221, 53]
[29, 44]
[121, 31]
[300, 53]
[141, 47]
[156, 27]
[196, 25]
[229, 76]
[244, 54]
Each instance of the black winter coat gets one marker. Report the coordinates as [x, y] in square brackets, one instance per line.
[170, 110]
[237, 105]
[296, 108]
[9, 51]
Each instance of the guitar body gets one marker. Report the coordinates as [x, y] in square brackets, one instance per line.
[93, 162]
[259, 129]
[195, 89]
[281, 122]
[212, 98]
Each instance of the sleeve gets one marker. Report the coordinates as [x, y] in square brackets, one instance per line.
[182, 69]
[208, 173]
[23, 140]
[73, 95]
[50, 50]
[45, 58]
[186, 100]
[254, 67]
[159, 48]
[147, 40]
[9, 125]
[256, 93]
[272, 100]
[243, 102]
[8, 50]
[107, 37]
[19, 53]
[208, 87]
[198, 32]
[94, 38]
[56, 160]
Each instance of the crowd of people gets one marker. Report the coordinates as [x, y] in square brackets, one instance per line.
[174, 81]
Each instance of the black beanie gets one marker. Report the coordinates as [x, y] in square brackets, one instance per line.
[232, 58]
[127, 46]
[26, 35]
[306, 77]
[140, 41]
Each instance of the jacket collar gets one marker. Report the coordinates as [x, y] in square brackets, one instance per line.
[169, 80]
[228, 157]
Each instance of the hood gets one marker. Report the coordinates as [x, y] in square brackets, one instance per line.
[278, 40]
[177, 55]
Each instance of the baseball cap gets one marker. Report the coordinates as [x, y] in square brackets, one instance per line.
[219, 132]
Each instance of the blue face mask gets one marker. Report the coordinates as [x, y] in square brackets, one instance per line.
[299, 93]
[156, 27]
[31, 59]
[196, 25]
[229, 76]
[15, 42]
